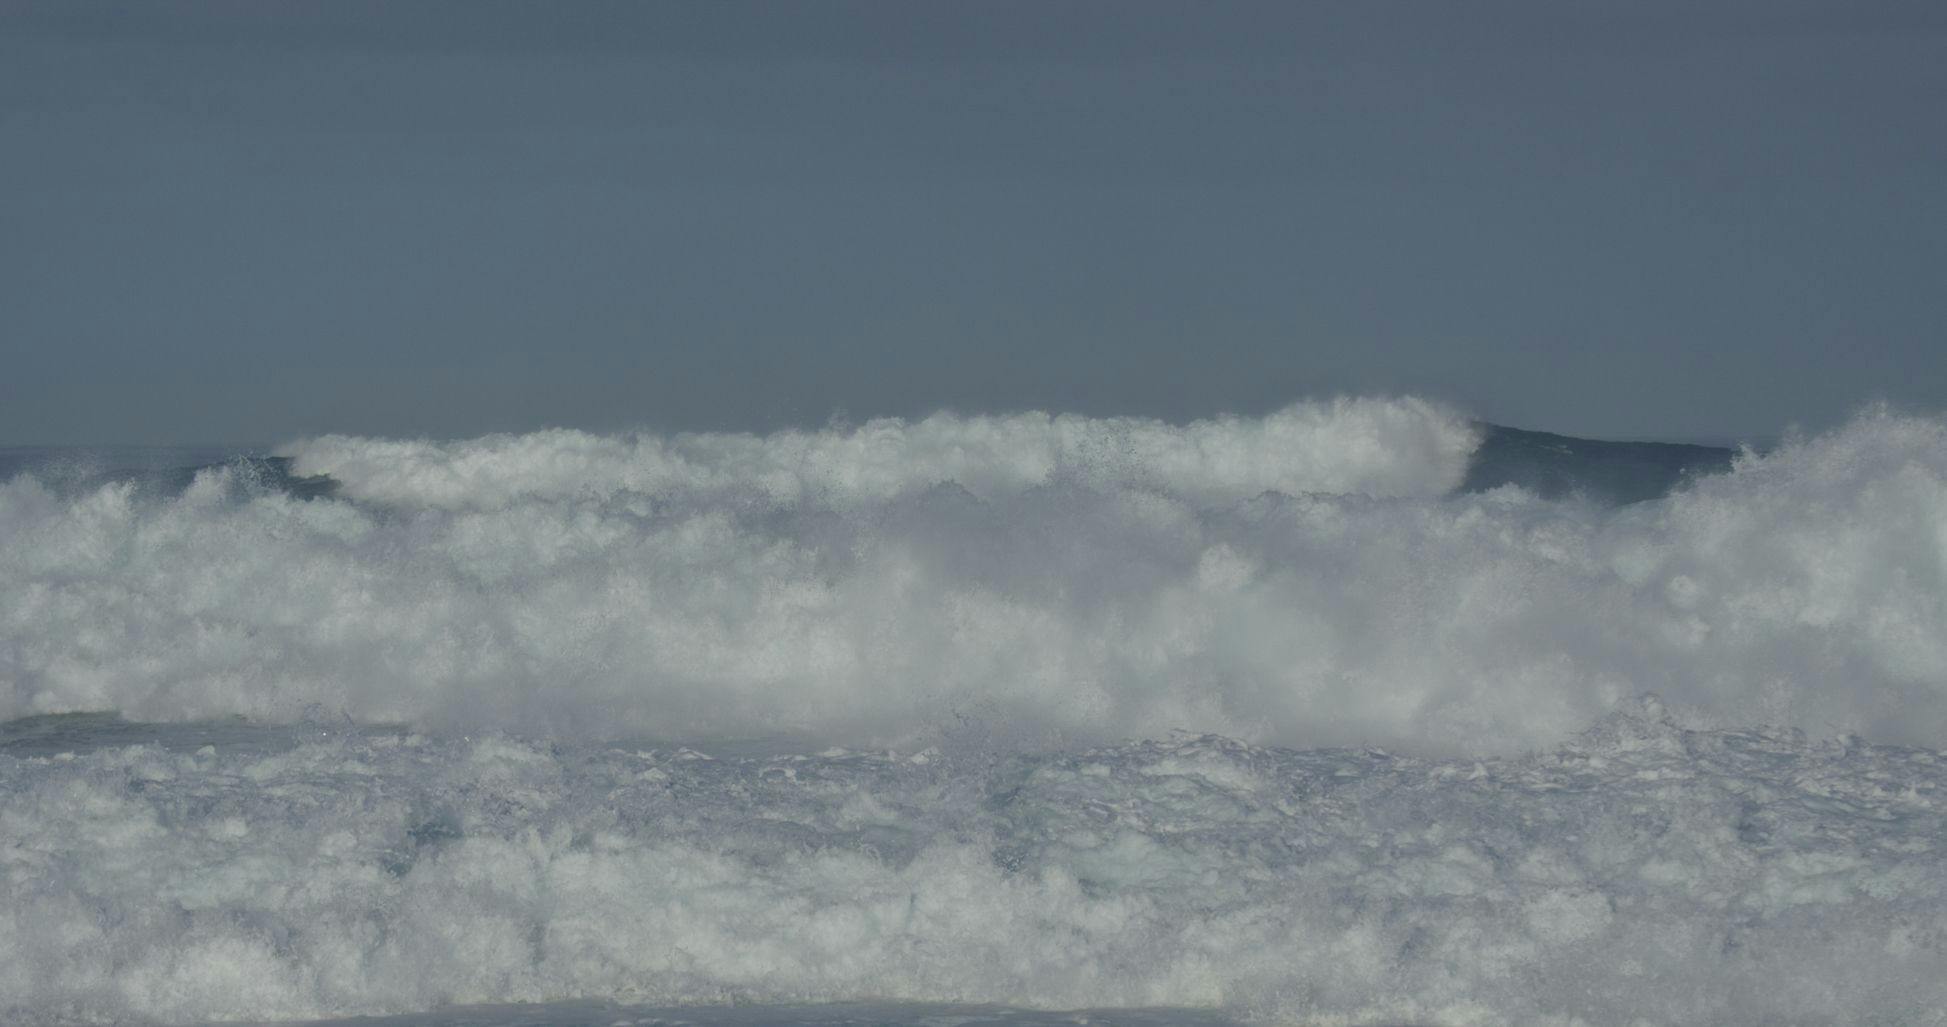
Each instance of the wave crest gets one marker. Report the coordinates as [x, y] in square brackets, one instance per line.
[1379, 447]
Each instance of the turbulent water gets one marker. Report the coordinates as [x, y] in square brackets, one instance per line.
[1360, 712]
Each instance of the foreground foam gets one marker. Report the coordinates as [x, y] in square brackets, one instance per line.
[775, 589]
[1643, 874]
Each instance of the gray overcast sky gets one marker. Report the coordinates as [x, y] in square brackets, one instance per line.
[248, 221]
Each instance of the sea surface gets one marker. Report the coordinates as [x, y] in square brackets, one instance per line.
[1361, 712]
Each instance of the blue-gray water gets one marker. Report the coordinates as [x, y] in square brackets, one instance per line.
[1358, 713]
[849, 1014]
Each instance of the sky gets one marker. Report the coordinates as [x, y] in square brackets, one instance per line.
[248, 222]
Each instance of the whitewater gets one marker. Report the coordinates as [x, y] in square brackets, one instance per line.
[1358, 712]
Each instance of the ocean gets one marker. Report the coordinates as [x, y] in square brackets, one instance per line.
[1359, 712]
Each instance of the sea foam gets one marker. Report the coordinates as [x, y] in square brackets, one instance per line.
[1644, 873]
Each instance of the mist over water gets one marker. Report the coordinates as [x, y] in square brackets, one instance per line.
[1361, 711]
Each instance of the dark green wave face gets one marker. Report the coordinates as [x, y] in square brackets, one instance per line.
[1611, 473]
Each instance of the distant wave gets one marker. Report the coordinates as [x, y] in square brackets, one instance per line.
[1317, 576]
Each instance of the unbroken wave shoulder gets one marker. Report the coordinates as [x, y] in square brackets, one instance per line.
[1606, 472]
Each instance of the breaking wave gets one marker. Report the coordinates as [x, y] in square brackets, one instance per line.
[1307, 578]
